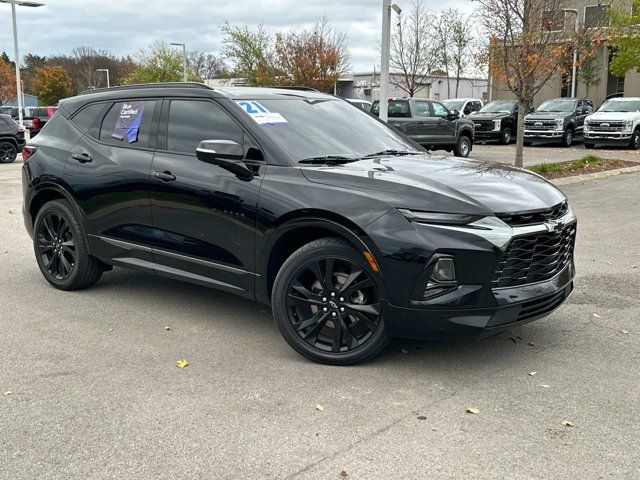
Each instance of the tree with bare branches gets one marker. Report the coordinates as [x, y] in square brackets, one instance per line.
[412, 54]
[525, 50]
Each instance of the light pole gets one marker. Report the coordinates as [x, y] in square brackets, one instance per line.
[23, 3]
[575, 51]
[384, 60]
[105, 70]
[184, 58]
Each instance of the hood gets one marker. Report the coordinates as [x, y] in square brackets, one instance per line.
[621, 116]
[547, 115]
[488, 116]
[441, 184]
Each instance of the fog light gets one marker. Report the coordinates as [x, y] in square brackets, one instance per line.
[444, 271]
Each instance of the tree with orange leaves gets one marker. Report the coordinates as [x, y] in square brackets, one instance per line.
[51, 84]
[7, 82]
[529, 43]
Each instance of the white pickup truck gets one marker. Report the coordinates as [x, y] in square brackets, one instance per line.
[616, 122]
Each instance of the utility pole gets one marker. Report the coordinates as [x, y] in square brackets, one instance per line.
[384, 61]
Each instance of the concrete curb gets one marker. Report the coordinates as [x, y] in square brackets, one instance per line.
[593, 176]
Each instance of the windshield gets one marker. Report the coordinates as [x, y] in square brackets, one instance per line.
[397, 109]
[453, 104]
[621, 106]
[557, 106]
[319, 127]
[498, 107]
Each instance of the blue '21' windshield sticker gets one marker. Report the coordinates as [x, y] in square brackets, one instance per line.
[260, 114]
[128, 122]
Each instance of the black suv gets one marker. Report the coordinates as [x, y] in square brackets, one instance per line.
[496, 121]
[560, 120]
[430, 124]
[348, 229]
[11, 139]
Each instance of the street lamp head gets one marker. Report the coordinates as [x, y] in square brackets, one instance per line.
[177, 44]
[396, 8]
[23, 3]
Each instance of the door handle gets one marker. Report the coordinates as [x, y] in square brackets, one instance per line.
[81, 157]
[164, 176]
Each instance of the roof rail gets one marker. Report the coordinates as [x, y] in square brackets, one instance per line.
[303, 89]
[139, 86]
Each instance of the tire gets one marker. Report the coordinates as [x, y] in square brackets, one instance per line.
[567, 138]
[463, 148]
[634, 144]
[8, 152]
[589, 146]
[505, 136]
[60, 245]
[307, 315]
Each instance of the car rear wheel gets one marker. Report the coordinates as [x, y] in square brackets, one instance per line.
[505, 136]
[61, 248]
[635, 140]
[567, 138]
[8, 152]
[463, 147]
[327, 305]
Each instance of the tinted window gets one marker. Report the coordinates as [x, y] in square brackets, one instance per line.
[85, 117]
[468, 108]
[422, 109]
[135, 137]
[439, 110]
[192, 121]
[397, 109]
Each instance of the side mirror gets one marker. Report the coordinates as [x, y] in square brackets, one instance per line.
[454, 115]
[226, 154]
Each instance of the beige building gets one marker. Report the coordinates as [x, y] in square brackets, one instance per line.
[590, 13]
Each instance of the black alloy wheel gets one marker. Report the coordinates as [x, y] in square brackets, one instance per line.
[56, 246]
[61, 248]
[8, 152]
[327, 304]
[505, 136]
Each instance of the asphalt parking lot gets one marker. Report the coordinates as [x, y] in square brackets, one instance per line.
[89, 386]
[546, 153]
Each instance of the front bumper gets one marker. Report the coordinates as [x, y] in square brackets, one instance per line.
[609, 138]
[487, 135]
[532, 302]
[543, 134]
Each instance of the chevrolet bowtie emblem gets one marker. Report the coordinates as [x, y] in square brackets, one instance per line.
[552, 225]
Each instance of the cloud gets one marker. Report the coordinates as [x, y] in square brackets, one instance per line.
[126, 26]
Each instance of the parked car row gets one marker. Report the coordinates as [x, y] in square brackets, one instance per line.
[11, 139]
[33, 118]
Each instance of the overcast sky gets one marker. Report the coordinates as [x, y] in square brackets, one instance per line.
[126, 26]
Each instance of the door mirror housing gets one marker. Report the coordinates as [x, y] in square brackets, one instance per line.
[226, 154]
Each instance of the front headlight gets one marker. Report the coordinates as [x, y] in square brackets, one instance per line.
[497, 124]
[628, 125]
[559, 123]
[437, 217]
[586, 126]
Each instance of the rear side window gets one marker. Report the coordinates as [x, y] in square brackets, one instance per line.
[128, 123]
[85, 117]
[192, 121]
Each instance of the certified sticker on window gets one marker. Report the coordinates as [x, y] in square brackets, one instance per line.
[260, 114]
[128, 123]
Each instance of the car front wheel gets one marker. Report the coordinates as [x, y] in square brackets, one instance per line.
[505, 136]
[463, 147]
[635, 140]
[567, 138]
[8, 152]
[327, 304]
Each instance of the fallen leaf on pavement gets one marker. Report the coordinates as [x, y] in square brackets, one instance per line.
[634, 266]
[624, 332]
[10, 212]
[531, 374]
[8, 392]
[566, 423]
[595, 315]
[472, 410]
[531, 344]
[319, 408]
[182, 363]
[545, 386]
[167, 327]
[343, 473]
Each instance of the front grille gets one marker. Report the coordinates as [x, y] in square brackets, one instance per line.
[606, 126]
[483, 125]
[534, 217]
[535, 258]
[540, 306]
[543, 124]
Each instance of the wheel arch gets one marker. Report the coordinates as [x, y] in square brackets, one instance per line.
[48, 192]
[10, 140]
[299, 228]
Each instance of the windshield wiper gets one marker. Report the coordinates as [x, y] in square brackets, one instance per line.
[392, 152]
[332, 159]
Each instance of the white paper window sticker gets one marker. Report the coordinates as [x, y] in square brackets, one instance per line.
[260, 114]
